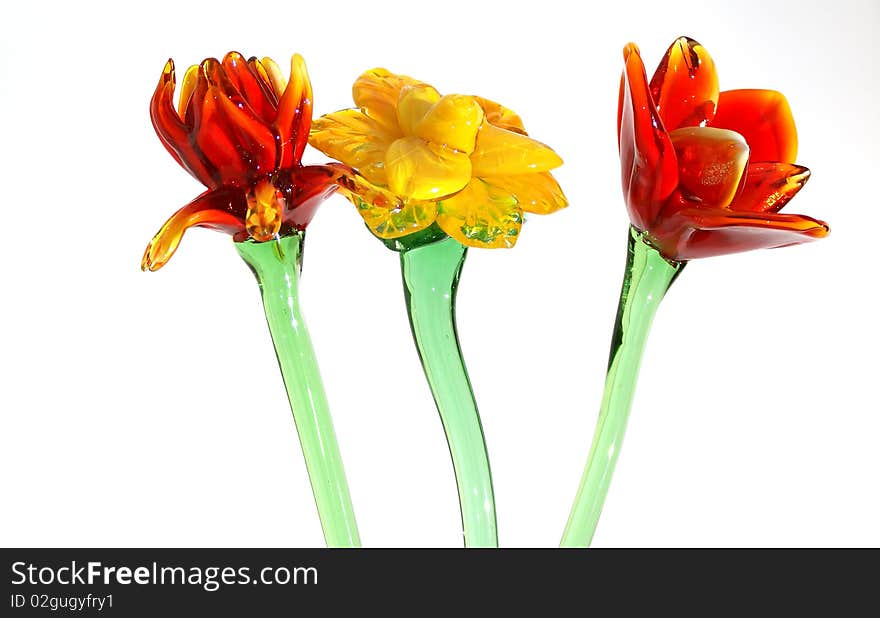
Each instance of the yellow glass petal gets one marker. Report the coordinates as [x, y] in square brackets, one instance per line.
[500, 116]
[412, 105]
[276, 77]
[420, 170]
[386, 214]
[186, 89]
[535, 193]
[355, 139]
[453, 121]
[500, 152]
[481, 216]
[377, 91]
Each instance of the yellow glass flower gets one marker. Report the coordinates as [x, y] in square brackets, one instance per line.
[461, 161]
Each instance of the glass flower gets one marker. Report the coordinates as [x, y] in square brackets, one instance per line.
[240, 129]
[461, 161]
[706, 172]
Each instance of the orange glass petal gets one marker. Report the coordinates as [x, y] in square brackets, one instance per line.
[763, 118]
[294, 118]
[710, 232]
[685, 85]
[265, 209]
[710, 164]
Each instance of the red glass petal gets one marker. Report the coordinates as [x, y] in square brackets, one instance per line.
[764, 118]
[769, 186]
[697, 233]
[230, 135]
[249, 87]
[173, 133]
[306, 188]
[259, 70]
[685, 85]
[648, 167]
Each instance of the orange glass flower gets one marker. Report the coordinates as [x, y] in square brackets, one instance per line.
[706, 172]
[240, 129]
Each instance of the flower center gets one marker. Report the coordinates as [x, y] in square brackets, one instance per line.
[266, 205]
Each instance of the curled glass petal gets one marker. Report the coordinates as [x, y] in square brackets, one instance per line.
[218, 210]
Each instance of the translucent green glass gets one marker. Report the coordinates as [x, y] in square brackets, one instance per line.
[276, 265]
[430, 275]
[647, 277]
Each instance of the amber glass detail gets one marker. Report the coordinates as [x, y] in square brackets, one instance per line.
[239, 128]
[706, 172]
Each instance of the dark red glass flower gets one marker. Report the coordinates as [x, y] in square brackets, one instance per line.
[240, 129]
[706, 172]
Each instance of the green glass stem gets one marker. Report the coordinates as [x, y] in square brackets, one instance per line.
[276, 265]
[430, 278]
[647, 277]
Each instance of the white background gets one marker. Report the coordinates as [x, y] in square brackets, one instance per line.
[146, 409]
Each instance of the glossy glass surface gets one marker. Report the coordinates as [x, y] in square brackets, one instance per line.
[430, 278]
[462, 162]
[276, 266]
[646, 279]
[240, 129]
[706, 172]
